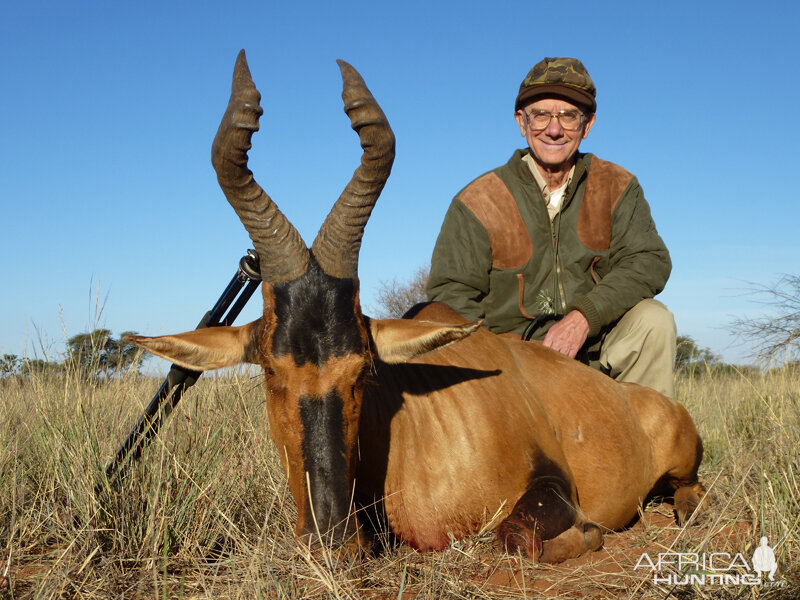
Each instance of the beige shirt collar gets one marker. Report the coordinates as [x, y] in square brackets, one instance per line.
[537, 176]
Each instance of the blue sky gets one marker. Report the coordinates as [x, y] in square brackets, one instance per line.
[108, 111]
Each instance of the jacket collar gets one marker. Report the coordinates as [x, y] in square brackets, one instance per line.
[523, 172]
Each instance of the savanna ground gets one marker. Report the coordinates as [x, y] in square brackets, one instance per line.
[207, 513]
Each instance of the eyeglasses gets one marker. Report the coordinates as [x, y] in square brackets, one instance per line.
[570, 120]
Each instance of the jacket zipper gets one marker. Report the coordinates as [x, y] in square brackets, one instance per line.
[558, 284]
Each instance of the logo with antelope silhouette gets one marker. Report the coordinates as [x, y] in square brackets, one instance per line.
[713, 568]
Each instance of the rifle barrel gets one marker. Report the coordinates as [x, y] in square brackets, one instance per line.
[179, 379]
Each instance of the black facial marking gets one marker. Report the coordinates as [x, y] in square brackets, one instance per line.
[324, 457]
[316, 318]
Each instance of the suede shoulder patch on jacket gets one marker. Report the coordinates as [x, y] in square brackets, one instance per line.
[605, 184]
[491, 202]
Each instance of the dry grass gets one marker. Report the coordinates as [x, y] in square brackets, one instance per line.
[207, 514]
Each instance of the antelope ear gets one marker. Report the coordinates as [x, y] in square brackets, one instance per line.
[399, 340]
[206, 349]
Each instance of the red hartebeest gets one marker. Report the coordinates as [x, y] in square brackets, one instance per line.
[365, 413]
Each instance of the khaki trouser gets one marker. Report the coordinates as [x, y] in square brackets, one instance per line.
[641, 347]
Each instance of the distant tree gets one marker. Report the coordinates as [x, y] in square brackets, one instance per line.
[690, 357]
[395, 298]
[37, 366]
[9, 365]
[776, 336]
[100, 352]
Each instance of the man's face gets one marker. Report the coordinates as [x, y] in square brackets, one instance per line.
[551, 145]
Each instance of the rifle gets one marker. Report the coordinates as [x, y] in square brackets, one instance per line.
[178, 379]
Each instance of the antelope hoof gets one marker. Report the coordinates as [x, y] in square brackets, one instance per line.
[688, 499]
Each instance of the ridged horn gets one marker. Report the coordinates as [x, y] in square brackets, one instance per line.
[281, 251]
[339, 239]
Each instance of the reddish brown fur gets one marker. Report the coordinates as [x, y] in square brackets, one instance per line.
[459, 451]
[284, 389]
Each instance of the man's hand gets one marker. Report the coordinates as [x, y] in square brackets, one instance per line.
[569, 334]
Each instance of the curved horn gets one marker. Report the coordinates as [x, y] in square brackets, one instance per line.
[339, 239]
[282, 253]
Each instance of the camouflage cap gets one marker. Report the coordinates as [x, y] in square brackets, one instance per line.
[559, 77]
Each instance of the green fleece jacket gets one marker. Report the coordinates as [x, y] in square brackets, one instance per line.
[500, 258]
